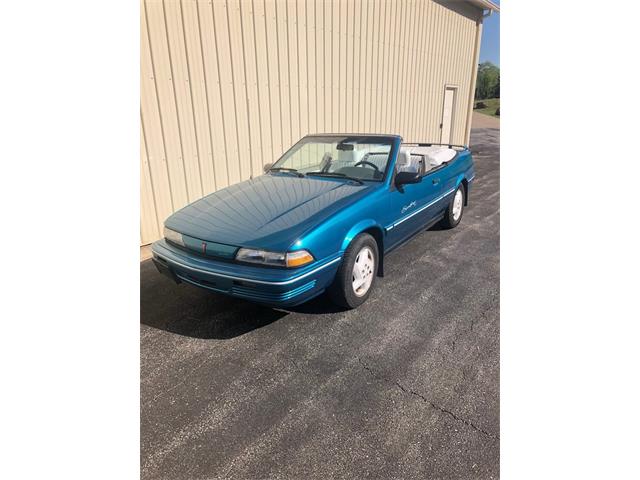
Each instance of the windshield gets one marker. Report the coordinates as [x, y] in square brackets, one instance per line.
[356, 157]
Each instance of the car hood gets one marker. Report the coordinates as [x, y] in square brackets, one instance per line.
[269, 211]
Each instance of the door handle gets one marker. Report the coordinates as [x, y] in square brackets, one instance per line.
[435, 181]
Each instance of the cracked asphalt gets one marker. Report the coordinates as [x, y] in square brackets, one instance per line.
[406, 386]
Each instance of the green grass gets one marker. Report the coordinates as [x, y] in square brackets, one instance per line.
[491, 103]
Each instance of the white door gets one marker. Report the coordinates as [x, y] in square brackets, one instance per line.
[447, 115]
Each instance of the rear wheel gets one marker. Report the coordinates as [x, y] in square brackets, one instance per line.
[357, 273]
[453, 215]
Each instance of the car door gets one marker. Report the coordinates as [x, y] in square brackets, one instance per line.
[411, 207]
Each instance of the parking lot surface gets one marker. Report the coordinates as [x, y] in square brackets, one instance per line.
[405, 386]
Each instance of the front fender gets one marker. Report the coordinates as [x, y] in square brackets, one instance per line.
[358, 228]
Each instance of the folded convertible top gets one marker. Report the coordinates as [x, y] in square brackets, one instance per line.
[436, 154]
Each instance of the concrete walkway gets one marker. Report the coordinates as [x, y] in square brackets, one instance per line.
[480, 120]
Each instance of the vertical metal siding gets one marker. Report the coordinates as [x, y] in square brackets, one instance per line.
[228, 85]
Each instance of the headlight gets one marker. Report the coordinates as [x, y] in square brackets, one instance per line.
[261, 256]
[173, 236]
[289, 259]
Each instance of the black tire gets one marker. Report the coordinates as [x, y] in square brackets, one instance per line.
[341, 290]
[449, 221]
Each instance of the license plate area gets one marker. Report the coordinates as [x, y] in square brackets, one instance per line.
[218, 283]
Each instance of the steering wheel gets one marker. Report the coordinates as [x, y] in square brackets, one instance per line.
[367, 162]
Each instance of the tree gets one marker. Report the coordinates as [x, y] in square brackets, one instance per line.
[488, 81]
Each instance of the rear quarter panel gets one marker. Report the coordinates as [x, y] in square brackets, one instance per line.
[458, 170]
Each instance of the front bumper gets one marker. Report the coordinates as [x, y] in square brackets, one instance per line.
[270, 286]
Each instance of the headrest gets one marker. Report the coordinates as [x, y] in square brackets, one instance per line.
[326, 160]
[407, 163]
[350, 157]
[404, 157]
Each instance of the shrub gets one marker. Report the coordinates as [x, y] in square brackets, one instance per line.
[498, 112]
[480, 105]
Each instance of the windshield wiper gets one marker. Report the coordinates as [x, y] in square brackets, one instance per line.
[336, 175]
[287, 170]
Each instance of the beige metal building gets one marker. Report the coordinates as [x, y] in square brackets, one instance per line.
[227, 86]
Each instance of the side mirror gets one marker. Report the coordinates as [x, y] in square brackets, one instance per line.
[267, 166]
[403, 178]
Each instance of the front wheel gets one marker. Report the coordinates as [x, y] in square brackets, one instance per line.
[453, 215]
[357, 273]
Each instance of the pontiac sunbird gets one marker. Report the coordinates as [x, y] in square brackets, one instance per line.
[321, 218]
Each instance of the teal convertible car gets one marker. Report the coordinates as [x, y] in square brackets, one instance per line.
[322, 217]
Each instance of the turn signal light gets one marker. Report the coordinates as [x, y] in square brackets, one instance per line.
[299, 258]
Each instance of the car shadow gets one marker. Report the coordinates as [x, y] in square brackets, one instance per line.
[320, 305]
[194, 312]
[438, 227]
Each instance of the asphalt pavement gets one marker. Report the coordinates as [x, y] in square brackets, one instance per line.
[406, 386]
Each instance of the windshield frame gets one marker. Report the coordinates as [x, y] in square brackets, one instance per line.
[392, 140]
